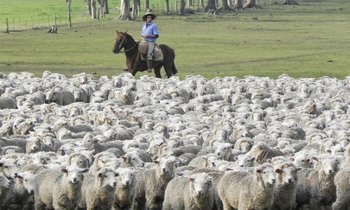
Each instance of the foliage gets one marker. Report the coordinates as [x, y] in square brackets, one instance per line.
[306, 40]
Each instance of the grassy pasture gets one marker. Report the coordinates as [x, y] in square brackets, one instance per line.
[308, 40]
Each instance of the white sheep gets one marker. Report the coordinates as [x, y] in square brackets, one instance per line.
[193, 192]
[125, 190]
[98, 190]
[58, 189]
[316, 187]
[256, 190]
[286, 184]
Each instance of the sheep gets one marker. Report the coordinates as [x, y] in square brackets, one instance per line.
[285, 189]
[7, 103]
[8, 168]
[58, 189]
[98, 190]
[4, 184]
[19, 194]
[153, 182]
[60, 97]
[125, 190]
[316, 187]
[193, 192]
[243, 144]
[342, 185]
[256, 189]
[262, 152]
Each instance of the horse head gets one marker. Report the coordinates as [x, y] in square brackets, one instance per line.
[124, 40]
[120, 42]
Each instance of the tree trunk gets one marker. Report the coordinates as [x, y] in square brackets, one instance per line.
[238, 5]
[88, 7]
[225, 6]
[290, 2]
[211, 6]
[182, 7]
[93, 9]
[167, 7]
[101, 8]
[69, 12]
[106, 7]
[125, 10]
[135, 9]
[250, 4]
[147, 8]
[189, 3]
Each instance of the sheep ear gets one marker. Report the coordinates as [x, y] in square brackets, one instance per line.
[258, 170]
[278, 171]
[124, 158]
[64, 170]
[191, 179]
[156, 161]
[100, 175]
[315, 159]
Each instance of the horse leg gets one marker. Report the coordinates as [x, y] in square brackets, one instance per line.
[168, 69]
[157, 71]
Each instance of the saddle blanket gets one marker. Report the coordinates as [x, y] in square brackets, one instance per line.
[157, 52]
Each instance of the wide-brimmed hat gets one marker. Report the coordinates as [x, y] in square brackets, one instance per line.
[148, 14]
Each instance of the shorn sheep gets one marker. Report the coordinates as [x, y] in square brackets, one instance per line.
[256, 190]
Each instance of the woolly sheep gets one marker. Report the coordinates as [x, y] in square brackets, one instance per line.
[7, 103]
[58, 189]
[262, 152]
[98, 190]
[193, 192]
[19, 194]
[342, 185]
[316, 187]
[60, 97]
[125, 190]
[4, 183]
[285, 189]
[256, 189]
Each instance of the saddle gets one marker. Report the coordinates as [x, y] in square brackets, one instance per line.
[157, 52]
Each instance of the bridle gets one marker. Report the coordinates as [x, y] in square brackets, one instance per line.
[122, 42]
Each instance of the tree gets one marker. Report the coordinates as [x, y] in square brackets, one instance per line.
[182, 7]
[238, 5]
[167, 7]
[211, 6]
[147, 7]
[225, 5]
[125, 10]
[135, 9]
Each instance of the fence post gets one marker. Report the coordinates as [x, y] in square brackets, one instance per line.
[7, 26]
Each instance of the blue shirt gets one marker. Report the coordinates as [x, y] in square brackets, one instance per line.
[150, 29]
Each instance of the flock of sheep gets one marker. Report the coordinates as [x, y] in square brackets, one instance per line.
[195, 144]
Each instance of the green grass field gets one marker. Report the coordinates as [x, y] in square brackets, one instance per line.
[308, 40]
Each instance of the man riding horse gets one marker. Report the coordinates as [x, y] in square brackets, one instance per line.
[149, 34]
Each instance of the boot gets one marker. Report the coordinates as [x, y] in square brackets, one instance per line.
[150, 65]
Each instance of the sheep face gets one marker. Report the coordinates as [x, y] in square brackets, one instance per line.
[107, 178]
[4, 182]
[286, 174]
[27, 179]
[222, 150]
[266, 174]
[133, 159]
[74, 174]
[200, 184]
[245, 161]
[166, 166]
[329, 166]
[126, 177]
[303, 160]
[8, 169]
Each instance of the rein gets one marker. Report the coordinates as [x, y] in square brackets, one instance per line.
[126, 50]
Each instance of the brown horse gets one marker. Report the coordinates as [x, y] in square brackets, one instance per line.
[133, 59]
